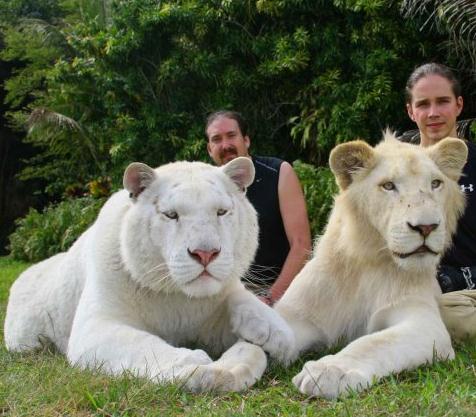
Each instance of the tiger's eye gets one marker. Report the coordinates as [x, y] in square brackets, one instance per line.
[221, 212]
[171, 215]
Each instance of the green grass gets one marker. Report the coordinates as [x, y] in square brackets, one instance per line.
[43, 384]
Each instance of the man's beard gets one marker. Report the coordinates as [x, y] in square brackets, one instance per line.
[228, 154]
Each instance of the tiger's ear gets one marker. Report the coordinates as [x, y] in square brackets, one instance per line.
[450, 154]
[350, 158]
[241, 171]
[137, 177]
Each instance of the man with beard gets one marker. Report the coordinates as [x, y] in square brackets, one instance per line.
[276, 194]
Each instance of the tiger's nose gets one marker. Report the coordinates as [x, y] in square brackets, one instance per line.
[204, 257]
[423, 229]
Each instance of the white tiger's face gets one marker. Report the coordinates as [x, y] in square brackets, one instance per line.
[191, 229]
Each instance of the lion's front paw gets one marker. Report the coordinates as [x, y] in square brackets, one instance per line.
[329, 379]
[262, 326]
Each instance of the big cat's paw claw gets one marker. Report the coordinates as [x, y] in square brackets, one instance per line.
[205, 378]
[329, 379]
[194, 357]
[264, 327]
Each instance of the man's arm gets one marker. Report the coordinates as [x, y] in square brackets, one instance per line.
[296, 225]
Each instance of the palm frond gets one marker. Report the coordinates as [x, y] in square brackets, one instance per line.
[41, 117]
[51, 125]
[456, 17]
[50, 33]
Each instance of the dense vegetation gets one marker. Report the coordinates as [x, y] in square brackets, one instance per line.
[136, 84]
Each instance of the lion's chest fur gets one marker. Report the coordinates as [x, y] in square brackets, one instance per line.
[342, 299]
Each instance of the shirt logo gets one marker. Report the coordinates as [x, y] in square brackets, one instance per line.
[466, 188]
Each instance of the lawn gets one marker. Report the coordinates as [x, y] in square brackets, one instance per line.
[43, 384]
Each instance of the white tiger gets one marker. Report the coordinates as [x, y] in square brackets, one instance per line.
[158, 273]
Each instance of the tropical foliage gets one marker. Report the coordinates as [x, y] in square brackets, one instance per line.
[455, 17]
[105, 83]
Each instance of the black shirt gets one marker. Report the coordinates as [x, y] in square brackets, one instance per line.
[273, 243]
[463, 251]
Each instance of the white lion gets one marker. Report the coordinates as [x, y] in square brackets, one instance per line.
[158, 272]
[371, 280]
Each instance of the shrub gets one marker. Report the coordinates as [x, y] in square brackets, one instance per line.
[41, 235]
[319, 189]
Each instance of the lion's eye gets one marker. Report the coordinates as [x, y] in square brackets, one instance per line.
[171, 214]
[221, 212]
[388, 186]
[436, 184]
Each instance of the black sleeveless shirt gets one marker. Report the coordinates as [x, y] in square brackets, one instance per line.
[273, 243]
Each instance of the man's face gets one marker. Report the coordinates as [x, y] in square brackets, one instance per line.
[225, 141]
[434, 108]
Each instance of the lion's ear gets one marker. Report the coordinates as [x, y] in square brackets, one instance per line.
[137, 177]
[241, 170]
[348, 158]
[450, 155]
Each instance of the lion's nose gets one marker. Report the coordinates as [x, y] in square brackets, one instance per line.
[423, 229]
[204, 257]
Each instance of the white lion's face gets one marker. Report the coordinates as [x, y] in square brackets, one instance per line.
[195, 228]
[405, 196]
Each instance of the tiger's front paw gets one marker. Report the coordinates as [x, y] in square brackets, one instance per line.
[204, 378]
[261, 325]
[192, 357]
